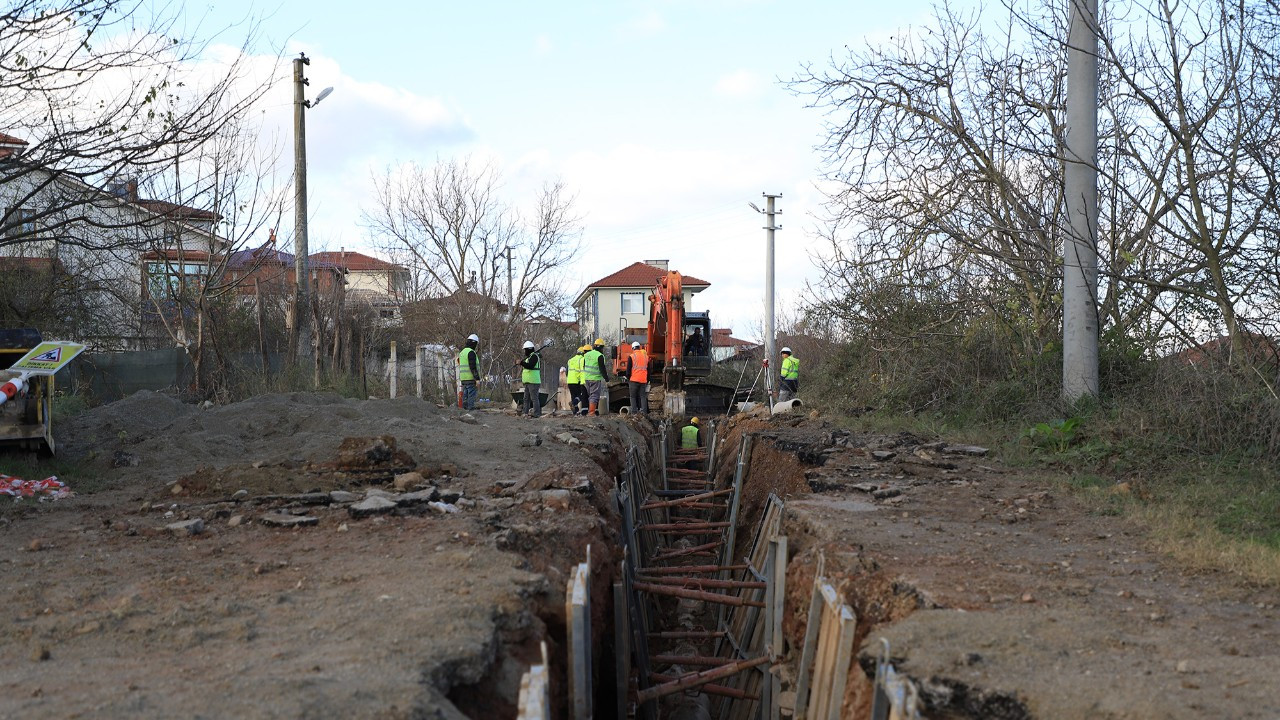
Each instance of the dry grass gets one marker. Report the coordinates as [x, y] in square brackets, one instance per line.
[1199, 546]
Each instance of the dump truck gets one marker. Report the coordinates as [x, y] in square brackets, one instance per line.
[671, 340]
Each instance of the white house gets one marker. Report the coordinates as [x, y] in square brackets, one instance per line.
[117, 252]
[382, 284]
[618, 304]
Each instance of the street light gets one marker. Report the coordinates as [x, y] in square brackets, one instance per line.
[300, 340]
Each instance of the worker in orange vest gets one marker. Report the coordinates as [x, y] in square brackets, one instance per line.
[638, 378]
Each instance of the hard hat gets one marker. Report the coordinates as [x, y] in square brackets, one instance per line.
[786, 350]
[635, 346]
[528, 345]
[583, 348]
[474, 337]
[693, 421]
[599, 341]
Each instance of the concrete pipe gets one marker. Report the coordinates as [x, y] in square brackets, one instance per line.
[792, 405]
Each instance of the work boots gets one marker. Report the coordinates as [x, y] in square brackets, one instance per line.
[593, 409]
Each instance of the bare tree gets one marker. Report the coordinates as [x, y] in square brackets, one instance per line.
[946, 147]
[458, 236]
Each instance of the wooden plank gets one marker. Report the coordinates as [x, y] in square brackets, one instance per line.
[810, 642]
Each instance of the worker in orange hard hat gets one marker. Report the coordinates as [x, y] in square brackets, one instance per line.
[638, 378]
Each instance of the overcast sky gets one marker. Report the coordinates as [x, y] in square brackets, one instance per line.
[666, 118]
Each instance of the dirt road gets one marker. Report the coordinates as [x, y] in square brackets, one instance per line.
[325, 580]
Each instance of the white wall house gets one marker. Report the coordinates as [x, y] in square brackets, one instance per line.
[112, 250]
[382, 284]
[609, 306]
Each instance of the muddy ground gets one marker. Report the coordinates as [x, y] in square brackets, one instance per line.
[1001, 596]
[424, 611]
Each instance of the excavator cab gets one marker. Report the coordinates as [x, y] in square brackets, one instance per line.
[26, 420]
[696, 357]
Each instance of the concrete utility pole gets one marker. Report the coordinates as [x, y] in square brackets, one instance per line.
[511, 293]
[770, 334]
[300, 332]
[1080, 254]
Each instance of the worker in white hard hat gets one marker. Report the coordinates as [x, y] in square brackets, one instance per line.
[638, 378]
[790, 371]
[531, 376]
[469, 371]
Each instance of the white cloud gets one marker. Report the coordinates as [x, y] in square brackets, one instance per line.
[542, 45]
[740, 84]
[648, 23]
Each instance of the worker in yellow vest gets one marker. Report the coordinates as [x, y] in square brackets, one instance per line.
[638, 378]
[690, 436]
[595, 374]
[469, 371]
[531, 376]
[790, 376]
[577, 391]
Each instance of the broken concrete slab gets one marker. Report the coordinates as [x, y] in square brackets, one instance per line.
[568, 438]
[972, 450]
[449, 496]
[883, 455]
[443, 508]
[531, 440]
[342, 496]
[287, 520]
[194, 526]
[419, 497]
[372, 505]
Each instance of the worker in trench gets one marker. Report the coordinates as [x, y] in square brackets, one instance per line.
[638, 378]
[469, 371]
[595, 375]
[531, 376]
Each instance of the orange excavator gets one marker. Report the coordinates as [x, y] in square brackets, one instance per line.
[679, 347]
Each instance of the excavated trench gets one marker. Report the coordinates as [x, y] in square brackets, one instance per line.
[686, 594]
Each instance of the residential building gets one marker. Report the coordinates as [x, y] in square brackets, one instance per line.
[617, 305]
[384, 285]
[119, 260]
[725, 346]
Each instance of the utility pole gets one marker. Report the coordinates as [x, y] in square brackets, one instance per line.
[511, 295]
[1080, 254]
[770, 335]
[300, 332]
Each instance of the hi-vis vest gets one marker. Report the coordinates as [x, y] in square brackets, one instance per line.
[534, 376]
[689, 436]
[591, 365]
[639, 366]
[464, 364]
[574, 377]
[790, 368]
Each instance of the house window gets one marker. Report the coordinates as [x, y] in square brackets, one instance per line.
[633, 303]
[21, 223]
[165, 279]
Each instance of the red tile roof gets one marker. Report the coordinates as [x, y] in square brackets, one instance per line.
[641, 275]
[10, 145]
[723, 337]
[353, 261]
[174, 210]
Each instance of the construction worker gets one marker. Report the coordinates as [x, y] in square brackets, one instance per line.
[638, 378]
[469, 371]
[690, 436]
[595, 374]
[695, 345]
[790, 376]
[531, 376]
[577, 391]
